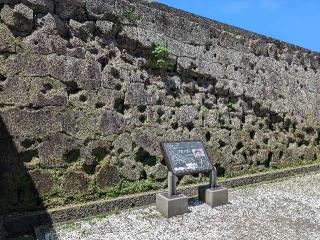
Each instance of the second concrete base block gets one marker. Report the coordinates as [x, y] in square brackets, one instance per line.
[169, 207]
[214, 197]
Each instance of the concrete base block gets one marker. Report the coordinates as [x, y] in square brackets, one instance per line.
[169, 207]
[214, 197]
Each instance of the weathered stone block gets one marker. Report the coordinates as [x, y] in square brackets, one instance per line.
[96, 152]
[46, 92]
[123, 143]
[131, 169]
[78, 72]
[210, 67]
[58, 150]
[112, 123]
[137, 95]
[157, 172]
[20, 18]
[42, 43]
[27, 64]
[148, 140]
[40, 6]
[173, 83]
[110, 77]
[132, 75]
[7, 40]
[308, 153]
[100, 9]
[107, 176]
[112, 99]
[71, 9]
[84, 31]
[81, 124]
[106, 29]
[52, 25]
[187, 114]
[43, 180]
[14, 92]
[30, 123]
[211, 118]
[75, 182]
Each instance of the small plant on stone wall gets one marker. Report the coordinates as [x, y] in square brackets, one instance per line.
[131, 15]
[231, 107]
[160, 54]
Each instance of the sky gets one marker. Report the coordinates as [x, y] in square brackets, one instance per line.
[293, 21]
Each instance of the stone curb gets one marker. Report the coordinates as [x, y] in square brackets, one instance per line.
[22, 224]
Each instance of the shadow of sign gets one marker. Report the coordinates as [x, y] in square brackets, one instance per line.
[18, 193]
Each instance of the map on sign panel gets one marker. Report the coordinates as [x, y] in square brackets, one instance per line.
[186, 156]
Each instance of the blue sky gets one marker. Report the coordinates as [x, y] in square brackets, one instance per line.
[293, 21]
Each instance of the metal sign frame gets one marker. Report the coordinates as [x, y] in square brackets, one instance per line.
[185, 172]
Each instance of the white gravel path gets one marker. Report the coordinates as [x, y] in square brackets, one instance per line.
[288, 209]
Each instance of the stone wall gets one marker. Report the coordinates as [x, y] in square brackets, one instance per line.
[84, 105]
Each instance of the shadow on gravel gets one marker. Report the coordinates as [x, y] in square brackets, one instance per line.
[193, 202]
[20, 202]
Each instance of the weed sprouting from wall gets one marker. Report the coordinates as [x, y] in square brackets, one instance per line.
[160, 54]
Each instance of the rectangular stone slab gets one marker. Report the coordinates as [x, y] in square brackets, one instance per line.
[170, 207]
[214, 197]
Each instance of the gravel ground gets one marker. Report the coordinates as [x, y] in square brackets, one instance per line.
[289, 209]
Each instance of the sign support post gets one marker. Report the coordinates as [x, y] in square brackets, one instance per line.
[171, 184]
[213, 178]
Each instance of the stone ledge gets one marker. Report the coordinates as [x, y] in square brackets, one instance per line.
[207, 22]
[22, 224]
